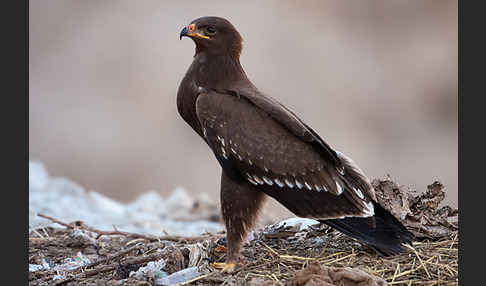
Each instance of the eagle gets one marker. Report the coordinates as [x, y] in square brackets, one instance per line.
[265, 149]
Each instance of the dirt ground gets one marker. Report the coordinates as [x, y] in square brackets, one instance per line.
[76, 254]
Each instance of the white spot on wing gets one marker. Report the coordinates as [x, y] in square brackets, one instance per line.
[289, 184]
[258, 180]
[298, 184]
[317, 187]
[339, 188]
[369, 210]
[250, 178]
[224, 153]
[359, 193]
[341, 170]
[251, 181]
[308, 186]
[279, 183]
[222, 140]
[267, 180]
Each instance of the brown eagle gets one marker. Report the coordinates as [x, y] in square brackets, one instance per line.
[265, 149]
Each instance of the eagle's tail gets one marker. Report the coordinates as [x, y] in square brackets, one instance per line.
[383, 232]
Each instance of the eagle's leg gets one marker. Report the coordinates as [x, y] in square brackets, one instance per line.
[240, 203]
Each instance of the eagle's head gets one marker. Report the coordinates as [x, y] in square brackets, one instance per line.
[214, 35]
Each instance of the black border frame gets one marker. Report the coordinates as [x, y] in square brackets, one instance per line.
[16, 138]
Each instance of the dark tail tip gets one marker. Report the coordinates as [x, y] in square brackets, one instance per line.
[383, 232]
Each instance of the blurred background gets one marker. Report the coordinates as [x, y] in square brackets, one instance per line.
[376, 79]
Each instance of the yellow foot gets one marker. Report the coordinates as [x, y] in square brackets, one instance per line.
[226, 267]
[220, 248]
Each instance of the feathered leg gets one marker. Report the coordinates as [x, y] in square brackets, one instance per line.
[239, 206]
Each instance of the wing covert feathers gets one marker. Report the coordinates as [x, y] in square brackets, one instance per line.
[249, 141]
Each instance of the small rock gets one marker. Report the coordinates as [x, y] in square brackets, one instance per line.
[78, 237]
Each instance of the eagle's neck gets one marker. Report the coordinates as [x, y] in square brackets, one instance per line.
[207, 71]
[217, 70]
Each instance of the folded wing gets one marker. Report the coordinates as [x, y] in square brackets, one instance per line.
[258, 140]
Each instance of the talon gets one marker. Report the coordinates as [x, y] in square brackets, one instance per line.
[226, 267]
[220, 248]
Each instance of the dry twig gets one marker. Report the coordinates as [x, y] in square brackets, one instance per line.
[100, 233]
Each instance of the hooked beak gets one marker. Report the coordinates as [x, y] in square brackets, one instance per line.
[183, 33]
[190, 31]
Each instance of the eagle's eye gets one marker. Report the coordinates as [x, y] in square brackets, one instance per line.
[210, 30]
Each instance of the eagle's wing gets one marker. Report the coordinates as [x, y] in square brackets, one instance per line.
[260, 141]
